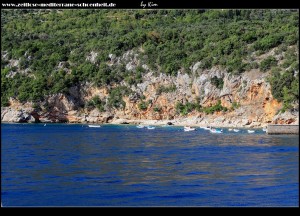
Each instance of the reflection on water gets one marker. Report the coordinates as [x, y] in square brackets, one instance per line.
[65, 165]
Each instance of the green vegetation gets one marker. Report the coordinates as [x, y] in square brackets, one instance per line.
[143, 105]
[133, 78]
[95, 102]
[218, 82]
[285, 87]
[184, 109]
[216, 108]
[235, 105]
[115, 99]
[165, 89]
[291, 60]
[157, 109]
[5, 102]
[36, 107]
[52, 46]
[269, 41]
[267, 63]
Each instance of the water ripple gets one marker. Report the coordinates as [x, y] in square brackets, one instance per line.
[71, 165]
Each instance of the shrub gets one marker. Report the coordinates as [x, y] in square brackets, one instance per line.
[184, 109]
[267, 63]
[36, 107]
[115, 98]
[96, 102]
[278, 82]
[216, 108]
[218, 82]
[4, 102]
[235, 105]
[23, 96]
[143, 105]
[287, 99]
[235, 65]
[165, 89]
[157, 109]
[268, 42]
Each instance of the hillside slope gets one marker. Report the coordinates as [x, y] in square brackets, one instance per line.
[217, 67]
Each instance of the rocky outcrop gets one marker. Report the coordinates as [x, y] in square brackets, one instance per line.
[92, 57]
[9, 114]
[286, 118]
[247, 97]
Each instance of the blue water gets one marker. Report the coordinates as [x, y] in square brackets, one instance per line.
[73, 165]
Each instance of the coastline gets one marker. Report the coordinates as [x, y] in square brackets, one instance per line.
[181, 122]
[270, 128]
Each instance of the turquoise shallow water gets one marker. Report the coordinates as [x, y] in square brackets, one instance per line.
[73, 165]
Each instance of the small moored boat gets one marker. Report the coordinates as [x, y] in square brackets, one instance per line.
[94, 126]
[186, 128]
[236, 130]
[150, 127]
[214, 130]
[251, 131]
[140, 126]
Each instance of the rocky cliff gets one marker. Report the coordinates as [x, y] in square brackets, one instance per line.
[247, 98]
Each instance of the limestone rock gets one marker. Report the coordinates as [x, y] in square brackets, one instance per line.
[92, 57]
[286, 118]
[195, 67]
[256, 105]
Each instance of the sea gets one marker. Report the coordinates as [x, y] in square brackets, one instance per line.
[73, 165]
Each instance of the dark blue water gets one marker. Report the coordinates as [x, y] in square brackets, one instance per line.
[73, 165]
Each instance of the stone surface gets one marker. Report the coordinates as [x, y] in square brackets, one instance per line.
[257, 107]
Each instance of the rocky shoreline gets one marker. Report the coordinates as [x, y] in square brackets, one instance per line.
[27, 114]
[153, 123]
[193, 122]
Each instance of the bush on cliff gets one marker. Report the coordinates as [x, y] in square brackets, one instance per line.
[95, 102]
[215, 108]
[115, 99]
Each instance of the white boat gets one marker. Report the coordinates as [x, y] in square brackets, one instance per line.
[140, 126]
[94, 126]
[230, 129]
[188, 128]
[236, 130]
[264, 129]
[44, 125]
[213, 130]
[150, 127]
[251, 131]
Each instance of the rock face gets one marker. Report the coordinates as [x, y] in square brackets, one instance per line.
[15, 115]
[247, 97]
[286, 118]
